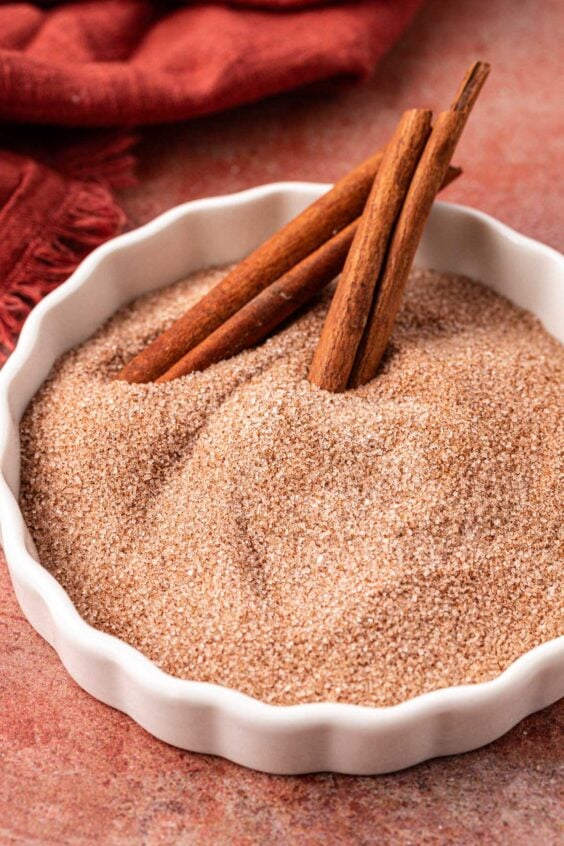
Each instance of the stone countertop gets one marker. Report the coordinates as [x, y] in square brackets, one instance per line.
[73, 771]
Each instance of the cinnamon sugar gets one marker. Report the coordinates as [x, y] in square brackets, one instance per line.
[243, 527]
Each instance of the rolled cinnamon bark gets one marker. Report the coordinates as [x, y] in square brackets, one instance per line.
[301, 236]
[349, 310]
[256, 320]
[427, 179]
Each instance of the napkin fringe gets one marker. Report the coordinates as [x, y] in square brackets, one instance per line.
[90, 216]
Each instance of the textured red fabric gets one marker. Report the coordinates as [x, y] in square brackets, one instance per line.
[121, 63]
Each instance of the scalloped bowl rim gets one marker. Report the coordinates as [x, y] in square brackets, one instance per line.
[28, 574]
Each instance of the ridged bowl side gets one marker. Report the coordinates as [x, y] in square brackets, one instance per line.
[208, 718]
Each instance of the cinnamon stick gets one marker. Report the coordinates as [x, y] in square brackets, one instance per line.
[427, 178]
[300, 237]
[269, 309]
[345, 322]
[259, 317]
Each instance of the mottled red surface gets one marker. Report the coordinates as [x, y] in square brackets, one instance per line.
[73, 771]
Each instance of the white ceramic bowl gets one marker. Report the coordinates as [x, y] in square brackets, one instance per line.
[205, 717]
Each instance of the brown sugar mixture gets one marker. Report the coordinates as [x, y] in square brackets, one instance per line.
[244, 527]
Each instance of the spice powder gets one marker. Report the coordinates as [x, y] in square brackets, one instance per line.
[242, 526]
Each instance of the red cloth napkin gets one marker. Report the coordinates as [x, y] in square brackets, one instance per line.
[122, 63]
